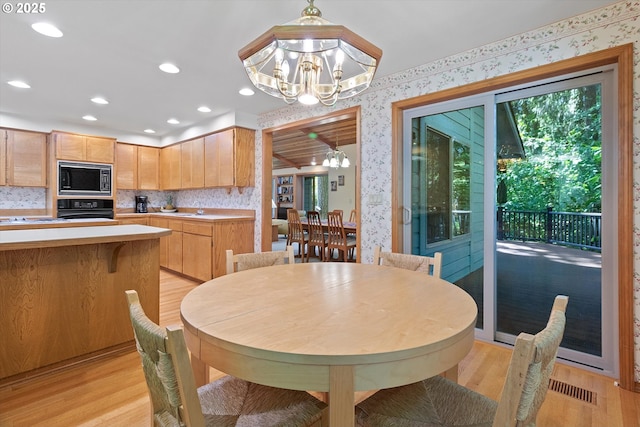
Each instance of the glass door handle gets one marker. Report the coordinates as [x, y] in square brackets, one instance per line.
[406, 212]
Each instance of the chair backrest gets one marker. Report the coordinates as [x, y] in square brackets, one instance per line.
[431, 265]
[353, 215]
[240, 262]
[296, 231]
[316, 234]
[339, 211]
[336, 238]
[167, 370]
[529, 371]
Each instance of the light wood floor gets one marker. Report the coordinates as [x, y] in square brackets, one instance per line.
[112, 391]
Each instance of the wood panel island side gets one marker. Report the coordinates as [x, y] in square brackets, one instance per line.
[62, 293]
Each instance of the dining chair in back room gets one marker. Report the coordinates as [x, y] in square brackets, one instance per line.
[317, 237]
[296, 232]
[337, 238]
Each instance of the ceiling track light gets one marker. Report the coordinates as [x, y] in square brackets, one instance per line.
[331, 62]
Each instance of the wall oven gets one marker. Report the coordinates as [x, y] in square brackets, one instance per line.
[84, 179]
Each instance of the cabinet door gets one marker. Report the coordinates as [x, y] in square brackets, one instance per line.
[245, 155]
[126, 166]
[3, 158]
[196, 256]
[219, 159]
[174, 249]
[100, 150]
[70, 146]
[171, 167]
[164, 241]
[192, 153]
[26, 159]
[148, 168]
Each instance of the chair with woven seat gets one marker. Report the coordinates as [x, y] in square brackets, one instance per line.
[431, 265]
[296, 232]
[240, 262]
[317, 237]
[337, 238]
[438, 401]
[229, 401]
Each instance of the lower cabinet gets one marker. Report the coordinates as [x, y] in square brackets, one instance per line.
[197, 248]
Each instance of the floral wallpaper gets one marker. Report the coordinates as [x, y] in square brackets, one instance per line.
[611, 26]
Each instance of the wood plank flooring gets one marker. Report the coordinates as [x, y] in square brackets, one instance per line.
[112, 391]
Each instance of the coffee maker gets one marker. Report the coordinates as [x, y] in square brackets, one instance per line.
[141, 204]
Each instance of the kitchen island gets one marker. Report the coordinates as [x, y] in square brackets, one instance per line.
[62, 293]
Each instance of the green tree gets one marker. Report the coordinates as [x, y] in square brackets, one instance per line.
[562, 138]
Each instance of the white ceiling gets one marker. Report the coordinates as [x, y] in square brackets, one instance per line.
[112, 48]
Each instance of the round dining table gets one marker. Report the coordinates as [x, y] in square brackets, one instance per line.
[332, 328]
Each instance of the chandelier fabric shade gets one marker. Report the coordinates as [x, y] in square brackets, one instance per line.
[310, 60]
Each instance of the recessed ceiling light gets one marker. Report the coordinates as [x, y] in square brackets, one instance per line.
[20, 84]
[204, 109]
[246, 91]
[89, 118]
[169, 68]
[99, 100]
[173, 121]
[47, 29]
[150, 131]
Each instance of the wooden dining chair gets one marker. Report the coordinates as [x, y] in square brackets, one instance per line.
[442, 402]
[296, 232]
[339, 211]
[353, 215]
[431, 265]
[338, 239]
[241, 262]
[229, 401]
[317, 238]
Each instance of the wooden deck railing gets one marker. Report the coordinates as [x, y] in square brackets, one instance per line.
[581, 230]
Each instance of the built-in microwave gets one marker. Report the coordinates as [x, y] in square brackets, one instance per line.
[84, 179]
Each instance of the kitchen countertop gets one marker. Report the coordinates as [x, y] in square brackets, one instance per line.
[188, 215]
[20, 223]
[70, 236]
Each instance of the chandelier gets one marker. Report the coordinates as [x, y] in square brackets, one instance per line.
[314, 45]
[336, 159]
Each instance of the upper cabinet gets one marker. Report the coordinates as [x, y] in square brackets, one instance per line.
[137, 167]
[70, 146]
[192, 163]
[171, 167]
[23, 158]
[230, 158]
[148, 168]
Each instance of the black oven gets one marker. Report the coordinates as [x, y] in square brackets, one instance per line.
[85, 208]
[84, 179]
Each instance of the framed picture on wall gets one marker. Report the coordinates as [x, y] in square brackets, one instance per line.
[340, 179]
[334, 185]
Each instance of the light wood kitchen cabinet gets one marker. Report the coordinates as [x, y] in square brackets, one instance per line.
[230, 158]
[148, 168]
[171, 167]
[70, 146]
[137, 167]
[164, 241]
[24, 162]
[197, 250]
[126, 166]
[192, 154]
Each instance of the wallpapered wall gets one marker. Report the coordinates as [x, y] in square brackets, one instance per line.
[604, 28]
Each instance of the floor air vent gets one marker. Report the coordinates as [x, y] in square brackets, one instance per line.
[572, 391]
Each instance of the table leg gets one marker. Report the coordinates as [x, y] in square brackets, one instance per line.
[341, 396]
[451, 374]
[200, 371]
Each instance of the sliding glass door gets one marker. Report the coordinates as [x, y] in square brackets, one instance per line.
[517, 190]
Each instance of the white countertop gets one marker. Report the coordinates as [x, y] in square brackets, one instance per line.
[69, 236]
